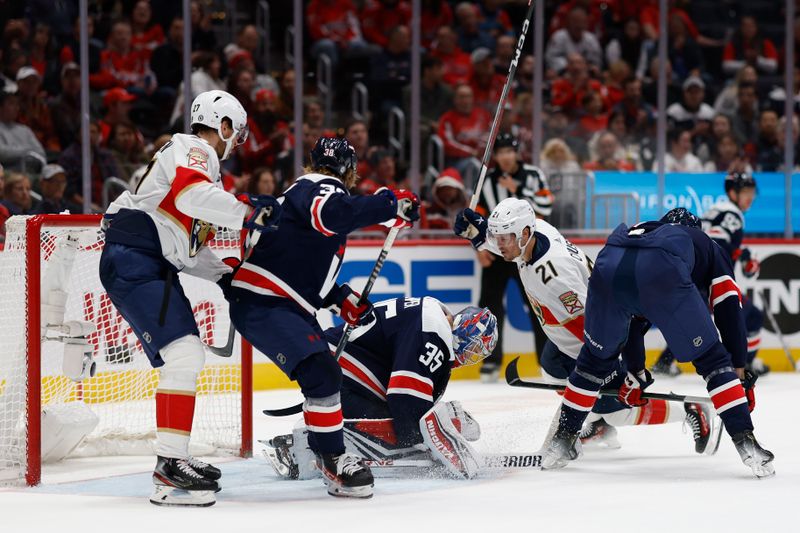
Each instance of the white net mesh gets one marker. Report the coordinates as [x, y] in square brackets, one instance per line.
[122, 393]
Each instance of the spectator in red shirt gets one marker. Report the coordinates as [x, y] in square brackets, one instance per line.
[380, 15]
[435, 14]
[335, 29]
[487, 86]
[269, 136]
[147, 35]
[122, 66]
[127, 149]
[34, 112]
[42, 52]
[607, 156]
[639, 115]
[464, 128]
[567, 92]
[71, 51]
[594, 119]
[457, 63]
[594, 14]
[384, 173]
[747, 47]
[448, 197]
[118, 107]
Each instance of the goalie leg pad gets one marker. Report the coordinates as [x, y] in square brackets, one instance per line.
[447, 444]
[64, 427]
[463, 421]
[175, 397]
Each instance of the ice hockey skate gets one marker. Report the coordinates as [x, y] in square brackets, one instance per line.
[346, 475]
[178, 484]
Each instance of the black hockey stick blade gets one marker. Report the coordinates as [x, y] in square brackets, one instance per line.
[513, 379]
[286, 411]
[227, 350]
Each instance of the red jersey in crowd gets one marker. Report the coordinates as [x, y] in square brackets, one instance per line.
[118, 70]
[563, 94]
[148, 41]
[487, 97]
[333, 19]
[377, 19]
[461, 134]
[594, 19]
[431, 20]
[457, 66]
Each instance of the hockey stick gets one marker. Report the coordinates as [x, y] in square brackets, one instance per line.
[498, 116]
[491, 461]
[513, 379]
[376, 270]
[227, 349]
[777, 330]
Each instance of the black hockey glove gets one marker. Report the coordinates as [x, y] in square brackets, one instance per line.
[266, 212]
[470, 225]
[749, 384]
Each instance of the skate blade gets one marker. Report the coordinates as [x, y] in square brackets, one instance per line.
[714, 437]
[174, 497]
[761, 471]
[338, 491]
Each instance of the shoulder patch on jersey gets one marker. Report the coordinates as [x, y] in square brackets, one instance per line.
[572, 303]
[198, 158]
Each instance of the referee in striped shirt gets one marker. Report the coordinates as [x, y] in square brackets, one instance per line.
[510, 177]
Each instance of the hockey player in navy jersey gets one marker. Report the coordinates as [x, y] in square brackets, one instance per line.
[153, 234]
[659, 271]
[396, 369]
[724, 223]
[291, 273]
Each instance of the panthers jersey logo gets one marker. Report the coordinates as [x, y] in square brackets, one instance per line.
[202, 232]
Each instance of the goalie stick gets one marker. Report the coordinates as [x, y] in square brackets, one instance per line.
[513, 379]
[498, 116]
[376, 270]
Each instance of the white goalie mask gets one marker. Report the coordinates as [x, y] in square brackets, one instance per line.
[211, 107]
[507, 221]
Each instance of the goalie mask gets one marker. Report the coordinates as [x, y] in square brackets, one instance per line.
[212, 107]
[506, 224]
[474, 335]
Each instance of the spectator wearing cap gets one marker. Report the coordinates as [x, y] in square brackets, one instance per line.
[747, 47]
[102, 165]
[146, 34]
[463, 129]
[608, 154]
[487, 86]
[510, 177]
[744, 120]
[65, 109]
[122, 66]
[457, 63]
[118, 103]
[680, 158]
[269, 135]
[166, 58]
[470, 35]
[448, 197]
[34, 112]
[127, 149]
[380, 15]
[692, 113]
[574, 39]
[435, 14]
[390, 70]
[335, 30]
[438, 96]
[567, 92]
[18, 143]
[52, 185]
[17, 194]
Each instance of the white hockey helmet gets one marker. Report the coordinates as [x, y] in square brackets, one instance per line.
[211, 107]
[509, 218]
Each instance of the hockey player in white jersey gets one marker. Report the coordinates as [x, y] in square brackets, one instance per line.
[555, 275]
[151, 236]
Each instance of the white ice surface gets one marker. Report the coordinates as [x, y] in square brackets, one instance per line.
[654, 483]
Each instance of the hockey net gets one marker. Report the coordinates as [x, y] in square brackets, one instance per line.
[122, 392]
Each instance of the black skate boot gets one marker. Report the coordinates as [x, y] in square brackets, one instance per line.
[279, 454]
[346, 475]
[753, 455]
[599, 433]
[206, 470]
[562, 448]
[706, 428]
[178, 484]
[665, 365]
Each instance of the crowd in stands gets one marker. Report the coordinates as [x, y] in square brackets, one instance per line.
[599, 100]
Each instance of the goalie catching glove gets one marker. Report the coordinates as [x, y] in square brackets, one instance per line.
[447, 444]
[472, 226]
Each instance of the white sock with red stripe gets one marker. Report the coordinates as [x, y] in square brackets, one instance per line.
[324, 420]
[579, 398]
[729, 400]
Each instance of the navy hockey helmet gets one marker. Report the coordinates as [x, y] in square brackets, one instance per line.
[682, 216]
[474, 335]
[334, 154]
[505, 140]
[736, 181]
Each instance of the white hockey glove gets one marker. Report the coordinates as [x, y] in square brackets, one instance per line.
[463, 421]
[446, 443]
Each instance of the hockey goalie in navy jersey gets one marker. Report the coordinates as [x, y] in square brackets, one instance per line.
[724, 223]
[667, 272]
[291, 273]
[396, 369]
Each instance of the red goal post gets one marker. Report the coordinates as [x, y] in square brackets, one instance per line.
[122, 393]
